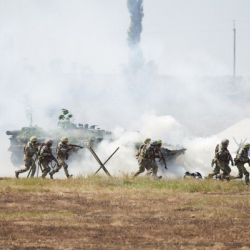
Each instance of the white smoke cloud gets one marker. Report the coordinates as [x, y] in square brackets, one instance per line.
[75, 61]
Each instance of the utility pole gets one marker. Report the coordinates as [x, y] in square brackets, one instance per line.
[234, 30]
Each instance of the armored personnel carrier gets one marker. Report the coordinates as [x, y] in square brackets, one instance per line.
[83, 135]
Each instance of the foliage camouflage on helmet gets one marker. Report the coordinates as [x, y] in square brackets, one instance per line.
[33, 138]
[64, 139]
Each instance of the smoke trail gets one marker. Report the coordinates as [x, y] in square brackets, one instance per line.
[136, 59]
[135, 8]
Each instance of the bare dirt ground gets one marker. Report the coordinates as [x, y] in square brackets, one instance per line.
[124, 219]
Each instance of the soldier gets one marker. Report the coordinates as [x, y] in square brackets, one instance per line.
[142, 160]
[240, 160]
[223, 157]
[62, 150]
[160, 154]
[46, 157]
[216, 170]
[30, 150]
[153, 152]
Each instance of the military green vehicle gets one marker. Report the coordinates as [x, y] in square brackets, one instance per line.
[171, 152]
[83, 135]
[78, 134]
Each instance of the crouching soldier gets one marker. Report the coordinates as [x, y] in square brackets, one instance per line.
[240, 160]
[46, 157]
[223, 157]
[143, 162]
[62, 150]
[30, 149]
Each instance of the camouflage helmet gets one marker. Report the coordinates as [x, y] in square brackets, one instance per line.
[64, 139]
[246, 145]
[147, 140]
[159, 142]
[48, 141]
[33, 139]
[225, 142]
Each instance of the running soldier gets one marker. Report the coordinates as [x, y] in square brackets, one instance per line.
[46, 157]
[142, 160]
[223, 157]
[240, 160]
[62, 150]
[29, 150]
[153, 152]
[216, 170]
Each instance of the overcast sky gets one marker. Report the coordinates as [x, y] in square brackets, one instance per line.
[182, 37]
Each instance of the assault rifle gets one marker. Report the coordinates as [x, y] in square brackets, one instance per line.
[230, 158]
[163, 159]
[53, 158]
[75, 146]
[71, 146]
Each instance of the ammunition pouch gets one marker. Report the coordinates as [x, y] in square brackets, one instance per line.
[236, 161]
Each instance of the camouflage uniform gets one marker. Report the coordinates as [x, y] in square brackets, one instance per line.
[152, 153]
[223, 157]
[240, 160]
[45, 159]
[143, 161]
[62, 154]
[216, 169]
[30, 150]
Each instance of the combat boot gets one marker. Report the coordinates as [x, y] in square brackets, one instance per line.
[238, 177]
[247, 179]
[69, 176]
[17, 174]
[51, 175]
[218, 177]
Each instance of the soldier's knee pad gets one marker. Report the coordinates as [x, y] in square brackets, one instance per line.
[65, 166]
[46, 170]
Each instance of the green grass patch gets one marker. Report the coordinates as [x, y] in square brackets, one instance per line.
[125, 182]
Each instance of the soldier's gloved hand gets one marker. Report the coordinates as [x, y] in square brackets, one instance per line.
[166, 167]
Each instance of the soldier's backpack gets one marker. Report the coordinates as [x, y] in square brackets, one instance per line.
[222, 153]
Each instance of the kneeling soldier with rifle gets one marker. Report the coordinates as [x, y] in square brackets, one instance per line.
[46, 157]
[62, 154]
[30, 149]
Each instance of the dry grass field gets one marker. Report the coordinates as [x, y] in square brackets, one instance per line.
[123, 213]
